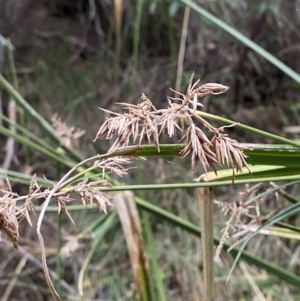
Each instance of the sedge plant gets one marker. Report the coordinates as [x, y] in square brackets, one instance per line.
[204, 143]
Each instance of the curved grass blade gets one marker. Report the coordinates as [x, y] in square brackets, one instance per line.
[44, 125]
[99, 233]
[248, 128]
[157, 271]
[290, 211]
[277, 231]
[269, 191]
[242, 38]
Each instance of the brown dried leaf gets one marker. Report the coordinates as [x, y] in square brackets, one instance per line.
[131, 224]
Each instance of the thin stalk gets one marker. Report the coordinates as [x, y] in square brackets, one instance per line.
[205, 198]
[295, 178]
[58, 268]
[147, 233]
[248, 128]
[58, 186]
[161, 186]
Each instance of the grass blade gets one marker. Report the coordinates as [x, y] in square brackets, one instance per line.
[240, 37]
[158, 274]
[105, 226]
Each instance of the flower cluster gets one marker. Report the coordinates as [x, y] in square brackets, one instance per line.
[144, 122]
[88, 192]
[245, 216]
[11, 215]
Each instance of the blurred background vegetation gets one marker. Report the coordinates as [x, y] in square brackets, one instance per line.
[72, 57]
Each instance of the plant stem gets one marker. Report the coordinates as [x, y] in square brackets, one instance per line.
[296, 179]
[205, 198]
[248, 128]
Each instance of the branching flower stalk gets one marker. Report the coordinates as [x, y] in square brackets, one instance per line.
[11, 215]
[144, 122]
[244, 217]
[139, 123]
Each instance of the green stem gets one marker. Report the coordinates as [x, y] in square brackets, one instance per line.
[205, 198]
[248, 128]
[296, 179]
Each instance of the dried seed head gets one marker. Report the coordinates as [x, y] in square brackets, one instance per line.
[89, 195]
[70, 247]
[68, 135]
[198, 146]
[8, 218]
[144, 121]
[193, 94]
[228, 151]
[115, 165]
[214, 88]
[139, 122]
[174, 118]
